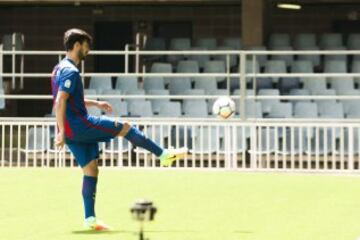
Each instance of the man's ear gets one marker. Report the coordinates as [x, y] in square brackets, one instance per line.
[77, 45]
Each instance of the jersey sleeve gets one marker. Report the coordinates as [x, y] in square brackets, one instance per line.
[68, 80]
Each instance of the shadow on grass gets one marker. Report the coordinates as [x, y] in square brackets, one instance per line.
[94, 232]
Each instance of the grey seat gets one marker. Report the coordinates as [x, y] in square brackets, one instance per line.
[252, 109]
[324, 146]
[188, 66]
[342, 83]
[302, 66]
[315, 58]
[261, 59]
[195, 108]
[353, 42]
[120, 108]
[230, 60]
[350, 105]
[288, 59]
[299, 92]
[208, 43]
[314, 83]
[209, 84]
[2, 100]
[239, 141]
[154, 83]
[268, 103]
[38, 139]
[215, 67]
[159, 67]
[117, 145]
[304, 41]
[135, 100]
[330, 40]
[279, 40]
[206, 140]
[281, 110]
[335, 110]
[89, 92]
[157, 103]
[336, 57]
[234, 43]
[178, 44]
[275, 66]
[355, 68]
[141, 109]
[94, 111]
[200, 59]
[178, 85]
[306, 110]
[347, 141]
[170, 109]
[194, 92]
[155, 44]
[327, 92]
[126, 84]
[100, 83]
[335, 66]
[266, 139]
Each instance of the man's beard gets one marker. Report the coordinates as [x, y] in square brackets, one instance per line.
[81, 56]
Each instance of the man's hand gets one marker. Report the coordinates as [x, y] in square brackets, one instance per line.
[60, 140]
[105, 106]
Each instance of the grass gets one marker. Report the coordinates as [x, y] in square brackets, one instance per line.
[46, 204]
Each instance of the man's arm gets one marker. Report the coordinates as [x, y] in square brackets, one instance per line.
[60, 110]
[99, 104]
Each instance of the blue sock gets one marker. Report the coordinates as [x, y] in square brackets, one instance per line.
[138, 139]
[89, 194]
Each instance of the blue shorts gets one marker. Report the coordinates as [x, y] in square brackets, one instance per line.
[84, 145]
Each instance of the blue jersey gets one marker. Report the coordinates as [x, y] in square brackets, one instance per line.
[66, 77]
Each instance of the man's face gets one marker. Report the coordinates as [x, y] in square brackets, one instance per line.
[83, 50]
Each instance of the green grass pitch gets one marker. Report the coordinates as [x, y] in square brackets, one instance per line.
[196, 205]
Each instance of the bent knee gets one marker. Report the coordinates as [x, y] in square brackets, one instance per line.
[91, 169]
[125, 129]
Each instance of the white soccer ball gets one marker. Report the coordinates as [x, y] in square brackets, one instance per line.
[224, 107]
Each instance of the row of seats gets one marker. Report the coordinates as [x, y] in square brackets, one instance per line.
[310, 41]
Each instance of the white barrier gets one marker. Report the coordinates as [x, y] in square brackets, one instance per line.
[233, 145]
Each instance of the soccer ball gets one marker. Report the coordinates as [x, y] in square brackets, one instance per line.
[224, 107]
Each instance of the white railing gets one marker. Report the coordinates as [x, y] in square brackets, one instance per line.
[312, 145]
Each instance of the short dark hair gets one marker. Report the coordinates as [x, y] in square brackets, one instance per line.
[74, 35]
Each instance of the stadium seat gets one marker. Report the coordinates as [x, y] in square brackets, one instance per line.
[337, 57]
[288, 59]
[299, 92]
[189, 66]
[287, 83]
[326, 92]
[232, 58]
[215, 67]
[275, 66]
[209, 84]
[170, 109]
[120, 108]
[261, 59]
[303, 41]
[324, 144]
[266, 139]
[194, 92]
[335, 66]
[233, 43]
[134, 100]
[155, 44]
[126, 84]
[267, 104]
[306, 110]
[2, 100]
[162, 68]
[178, 85]
[200, 59]
[207, 43]
[279, 40]
[195, 108]
[293, 141]
[281, 110]
[100, 83]
[157, 103]
[178, 44]
[154, 83]
[7, 42]
[240, 140]
[315, 59]
[335, 110]
[314, 83]
[353, 42]
[355, 141]
[355, 68]
[141, 109]
[302, 66]
[331, 40]
[350, 105]
[342, 83]
[252, 109]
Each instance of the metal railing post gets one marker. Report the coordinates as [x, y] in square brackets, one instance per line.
[243, 86]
